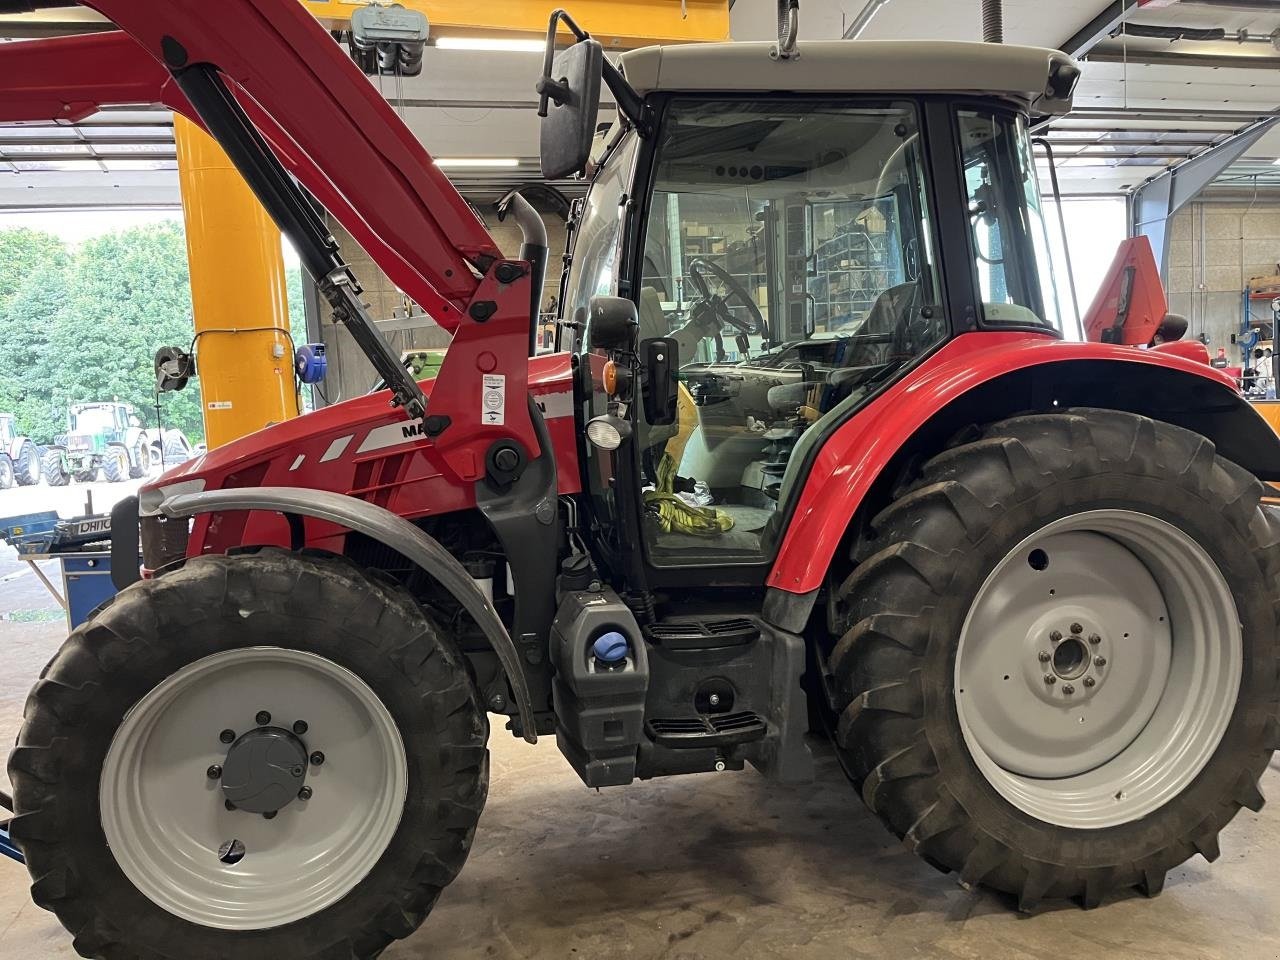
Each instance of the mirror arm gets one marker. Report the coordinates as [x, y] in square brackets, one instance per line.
[630, 103]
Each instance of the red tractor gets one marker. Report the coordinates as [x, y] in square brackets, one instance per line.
[1026, 585]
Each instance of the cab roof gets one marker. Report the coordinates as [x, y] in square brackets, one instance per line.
[1040, 80]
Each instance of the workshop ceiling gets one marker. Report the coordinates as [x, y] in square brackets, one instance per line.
[1144, 102]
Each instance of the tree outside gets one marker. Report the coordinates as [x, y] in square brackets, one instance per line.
[84, 324]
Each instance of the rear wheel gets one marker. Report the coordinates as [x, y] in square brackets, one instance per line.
[26, 469]
[6, 472]
[1060, 673]
[282, 758]
[54, 469]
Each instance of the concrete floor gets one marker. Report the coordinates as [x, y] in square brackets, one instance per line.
[718, 866]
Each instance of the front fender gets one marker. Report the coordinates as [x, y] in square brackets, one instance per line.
[387, 528]
[982, 377]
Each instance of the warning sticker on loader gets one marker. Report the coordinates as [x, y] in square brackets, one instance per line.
[219, 404]
[493, 400]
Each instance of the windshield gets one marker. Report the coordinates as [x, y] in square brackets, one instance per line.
[593, 268]
[1010, 236]
[93, 420]
[773, 224]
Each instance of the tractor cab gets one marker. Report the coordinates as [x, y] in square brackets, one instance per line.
[781, 241]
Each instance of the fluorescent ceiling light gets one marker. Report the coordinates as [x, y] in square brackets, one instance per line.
[499, 44]
[477, 162]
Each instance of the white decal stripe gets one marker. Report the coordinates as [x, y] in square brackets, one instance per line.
[298, 462]
[556, 405]
[390, 435]
[553, 406]
[336, 448]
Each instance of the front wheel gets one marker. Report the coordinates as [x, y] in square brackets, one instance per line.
[26, 469]
[6, 472]
[1059, 676]
[281, 757]
[140, 462]
[115, 464]
[53, 468]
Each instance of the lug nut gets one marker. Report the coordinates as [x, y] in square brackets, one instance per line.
[1055, 636]
[263, 718]
[300, 727]
[1076, 628]
[228, 804]
[1089, 681]
[1044, 656]
[1068, 689]
[317, 758]
[1050, 679]
[1095, 639]
[214, 772]
[269, 815]
[226, 736]
[1100, 661]
[304, 793]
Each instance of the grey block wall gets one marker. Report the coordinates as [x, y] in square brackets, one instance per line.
[1215, 248]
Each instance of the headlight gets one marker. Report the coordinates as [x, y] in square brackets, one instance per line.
[608, 432]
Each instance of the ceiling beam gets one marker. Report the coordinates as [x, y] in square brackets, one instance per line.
[1168, 58]
[1099, 28]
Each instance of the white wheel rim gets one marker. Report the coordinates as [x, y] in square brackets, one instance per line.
[1145, 674]
[165, 820]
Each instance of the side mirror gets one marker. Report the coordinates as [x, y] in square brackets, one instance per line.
[613, 324]
[570, 105]
[662, 385]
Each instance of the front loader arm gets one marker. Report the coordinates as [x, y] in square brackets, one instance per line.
[328, 126]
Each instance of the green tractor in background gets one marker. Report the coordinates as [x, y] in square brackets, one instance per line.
[19, 458]
[107, 435]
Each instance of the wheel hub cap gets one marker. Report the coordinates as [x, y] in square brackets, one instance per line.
[1098, 668]
[264, 770]
[189, 809]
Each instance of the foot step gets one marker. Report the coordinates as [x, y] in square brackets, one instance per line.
[712, 730]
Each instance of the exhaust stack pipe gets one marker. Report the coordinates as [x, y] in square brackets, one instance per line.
[993, 21]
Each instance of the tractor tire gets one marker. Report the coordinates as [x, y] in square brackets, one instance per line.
[6, 472]
[89, 475]
[176, 452]
[1060, 673]
[140, 460]
[26, 469]
[52, 470]
[115, 464]
[373, 708]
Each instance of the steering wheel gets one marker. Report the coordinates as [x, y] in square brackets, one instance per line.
[697, 274]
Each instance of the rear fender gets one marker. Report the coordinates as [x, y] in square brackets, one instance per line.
[983, 377]
[387, 528]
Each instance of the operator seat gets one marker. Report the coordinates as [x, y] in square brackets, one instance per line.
[897, 312]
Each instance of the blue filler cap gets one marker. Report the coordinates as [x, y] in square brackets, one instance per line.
[611, 648]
